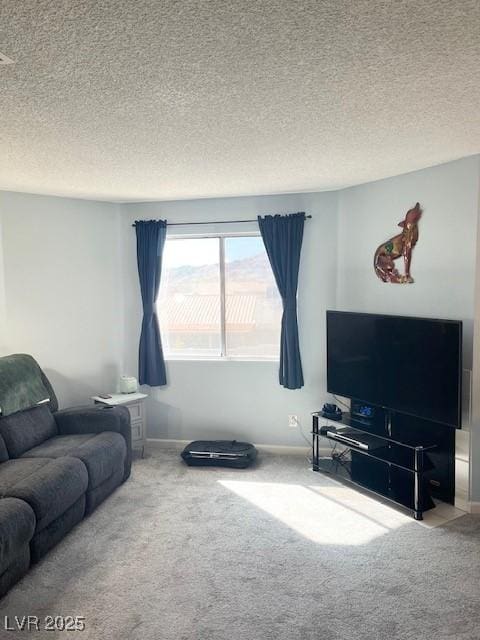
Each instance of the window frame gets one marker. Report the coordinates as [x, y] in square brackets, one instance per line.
[223, 356]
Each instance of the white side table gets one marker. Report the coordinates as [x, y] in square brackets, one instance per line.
[135, 404]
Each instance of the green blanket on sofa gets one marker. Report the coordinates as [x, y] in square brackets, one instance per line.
[21, 385]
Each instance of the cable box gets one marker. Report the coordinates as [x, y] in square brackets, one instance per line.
[352, 438]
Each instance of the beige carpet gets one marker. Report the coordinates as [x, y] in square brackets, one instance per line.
[276, 552]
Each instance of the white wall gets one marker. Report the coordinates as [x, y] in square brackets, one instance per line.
[443, 263]
[60, 296]
[475, 427]
[240, 399]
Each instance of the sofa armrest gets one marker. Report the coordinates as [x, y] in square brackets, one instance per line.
[95, 419]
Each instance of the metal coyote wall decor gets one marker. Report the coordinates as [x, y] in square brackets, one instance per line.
[399, 246]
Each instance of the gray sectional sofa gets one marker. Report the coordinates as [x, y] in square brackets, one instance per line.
[55, 466]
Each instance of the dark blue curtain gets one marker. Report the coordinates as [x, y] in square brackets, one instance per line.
[282, 237]
[150, 242]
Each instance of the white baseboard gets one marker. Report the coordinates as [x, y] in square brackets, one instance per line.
[278, 449]
[467, 505]
[462, 503]
[284, 450]
[474, 507]
[164, 443]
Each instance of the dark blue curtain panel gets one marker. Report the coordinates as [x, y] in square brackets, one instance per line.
[150, 243]
[282, 237]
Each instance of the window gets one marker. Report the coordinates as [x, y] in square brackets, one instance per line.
[218, 299]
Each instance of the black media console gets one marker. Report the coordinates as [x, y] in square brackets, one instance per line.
[403, 459]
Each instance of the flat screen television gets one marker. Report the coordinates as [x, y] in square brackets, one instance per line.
[410, 365]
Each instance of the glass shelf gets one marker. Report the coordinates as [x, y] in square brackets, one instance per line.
[390, 468]
[403, 497]
[394, 455]
[362, 427]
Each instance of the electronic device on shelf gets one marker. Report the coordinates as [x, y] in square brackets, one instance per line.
[331, 412]
[353, 438]
[362, 411]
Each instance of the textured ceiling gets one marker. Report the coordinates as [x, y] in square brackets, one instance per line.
[147, 99]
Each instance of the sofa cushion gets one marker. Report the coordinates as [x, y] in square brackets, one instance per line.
[103, 453]
[17, 524]
[49, 486]
[27, 429]
[51, 535]
[94, 419]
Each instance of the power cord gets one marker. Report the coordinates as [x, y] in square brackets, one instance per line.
[342, 459]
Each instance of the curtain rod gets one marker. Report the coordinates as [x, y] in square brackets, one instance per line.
[188, 224]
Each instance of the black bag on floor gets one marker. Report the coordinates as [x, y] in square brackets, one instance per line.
[219, 453]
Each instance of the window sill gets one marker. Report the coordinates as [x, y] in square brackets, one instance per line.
[219, 359]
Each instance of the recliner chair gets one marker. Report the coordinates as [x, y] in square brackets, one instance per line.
[55, 466]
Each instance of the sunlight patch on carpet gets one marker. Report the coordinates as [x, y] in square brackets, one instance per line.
[324, 514]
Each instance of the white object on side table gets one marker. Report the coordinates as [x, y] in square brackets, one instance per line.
[135, 404]
[127, 384]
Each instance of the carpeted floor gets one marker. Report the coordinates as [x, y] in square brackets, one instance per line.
[276, 552]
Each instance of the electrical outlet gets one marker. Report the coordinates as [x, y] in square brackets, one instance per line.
[293, 421]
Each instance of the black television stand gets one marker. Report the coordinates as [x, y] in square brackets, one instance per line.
[384, 465]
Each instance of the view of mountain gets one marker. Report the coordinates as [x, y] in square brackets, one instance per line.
[252, 274]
